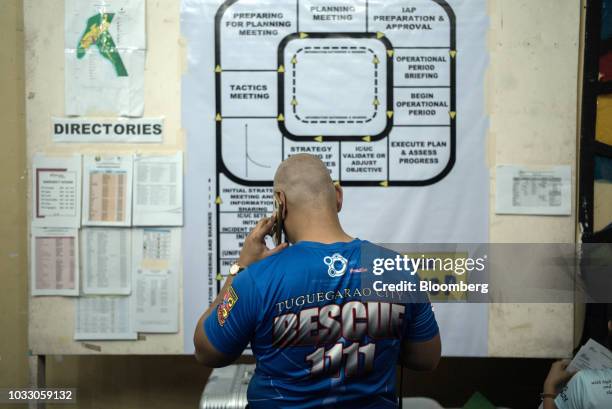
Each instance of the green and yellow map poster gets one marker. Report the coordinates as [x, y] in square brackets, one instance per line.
[105, 49]
[97, 33]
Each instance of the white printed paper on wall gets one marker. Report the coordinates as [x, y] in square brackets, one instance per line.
[155, 301]
[107, 190]
[104, 57]
[54, 261]
[156, 248]
[106, 262]
[56, 191]
[158, 190]
[521, 190]
[155, 298]
[104, 318]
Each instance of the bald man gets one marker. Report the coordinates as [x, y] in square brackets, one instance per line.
[317, 339]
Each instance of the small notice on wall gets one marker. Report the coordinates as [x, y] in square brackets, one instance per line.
[106, 260]
[520, 190]
[155, 297]
[87, 130]
[107, 190]
[103, 317]
[55, 261]
[158, 190]
[56, 195]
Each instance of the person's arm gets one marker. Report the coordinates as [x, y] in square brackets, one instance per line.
[421, 356]
[421, 347]
[557, 376]
[205, 353]
[237, 296]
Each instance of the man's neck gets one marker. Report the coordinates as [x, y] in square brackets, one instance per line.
[325, 234]
[325, 239]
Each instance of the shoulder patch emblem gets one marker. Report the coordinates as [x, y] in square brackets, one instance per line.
[227, 303]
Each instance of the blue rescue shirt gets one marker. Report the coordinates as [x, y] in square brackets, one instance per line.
[319, 337]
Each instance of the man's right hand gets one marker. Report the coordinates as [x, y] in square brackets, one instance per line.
[254, 247]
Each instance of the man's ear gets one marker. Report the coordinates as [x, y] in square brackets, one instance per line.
[339, 196]
[283, 202]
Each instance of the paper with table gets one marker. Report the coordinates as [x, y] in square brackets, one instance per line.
[155, 299]
[56, 191]
[104, 318]
[521, 190]
[106, 260]
[104, 49]
[158, 190]
[591, 355]
[54, 261]
[107, 190]
[153, 256]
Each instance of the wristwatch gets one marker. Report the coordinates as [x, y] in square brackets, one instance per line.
[235, 269]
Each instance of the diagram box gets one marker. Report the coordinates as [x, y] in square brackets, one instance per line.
[251, 148]
[248, 94]
[422, 67]
[335, 85]
[422, 106]
[420, 153]
[328, 152]
[364, 161]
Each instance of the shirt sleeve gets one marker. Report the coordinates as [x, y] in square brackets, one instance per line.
[571, 397]
[421, 323]
[232, 325]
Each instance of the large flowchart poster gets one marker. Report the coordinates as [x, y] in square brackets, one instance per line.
[382, 91]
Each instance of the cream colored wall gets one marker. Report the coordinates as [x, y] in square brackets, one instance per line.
[532, 102]
[13, 183]
[533, 106]
[52, 318]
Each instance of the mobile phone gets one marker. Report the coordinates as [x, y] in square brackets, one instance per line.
[277, 229]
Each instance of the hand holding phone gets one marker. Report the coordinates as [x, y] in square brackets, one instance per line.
[254, 247]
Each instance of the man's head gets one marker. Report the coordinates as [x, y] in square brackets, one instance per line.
[307, 193]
